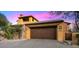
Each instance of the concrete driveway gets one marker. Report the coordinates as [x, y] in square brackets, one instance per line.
[33, 43]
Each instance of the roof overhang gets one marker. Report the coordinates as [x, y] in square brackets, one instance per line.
[67, 23]
[46, 23]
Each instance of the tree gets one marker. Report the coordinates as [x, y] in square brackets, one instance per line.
[5, 26]
[17, 29]
[68, 15]
[8, 31]
[3, 20]
[77, 20]
[55, 12]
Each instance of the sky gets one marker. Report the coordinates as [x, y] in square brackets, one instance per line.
[12, 16]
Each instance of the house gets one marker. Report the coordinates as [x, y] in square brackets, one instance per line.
[35, 29]
[26, 19]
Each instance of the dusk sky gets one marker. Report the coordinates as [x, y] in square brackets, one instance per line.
[12, 16]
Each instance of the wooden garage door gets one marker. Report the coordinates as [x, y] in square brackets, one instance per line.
[43, 33]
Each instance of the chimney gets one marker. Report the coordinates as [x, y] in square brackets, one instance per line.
[21, 15]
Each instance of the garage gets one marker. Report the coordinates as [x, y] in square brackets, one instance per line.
[48, 32]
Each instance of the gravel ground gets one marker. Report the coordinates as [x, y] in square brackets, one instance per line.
[33, 43]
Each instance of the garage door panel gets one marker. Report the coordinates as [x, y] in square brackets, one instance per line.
[43, 33]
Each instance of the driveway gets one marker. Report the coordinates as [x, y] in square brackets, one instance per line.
[33, 43]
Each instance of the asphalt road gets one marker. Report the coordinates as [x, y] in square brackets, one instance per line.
[33, 43]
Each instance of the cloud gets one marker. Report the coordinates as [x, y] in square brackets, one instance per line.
[46, 16]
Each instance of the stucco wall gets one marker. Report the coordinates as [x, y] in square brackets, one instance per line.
[20, 21]
[27, 33]
[62, 28]
[75, 40]
[60, 32]
[31, 19]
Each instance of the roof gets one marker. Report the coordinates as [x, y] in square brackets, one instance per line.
[43, 22]
[46, 23]
[28, 16]
[67, 23]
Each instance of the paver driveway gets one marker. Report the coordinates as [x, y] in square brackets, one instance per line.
[33, 43]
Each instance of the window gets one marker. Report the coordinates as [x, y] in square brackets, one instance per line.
[25, 19]
[32, 19]
[60, 28]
